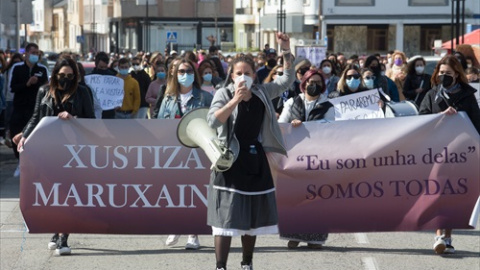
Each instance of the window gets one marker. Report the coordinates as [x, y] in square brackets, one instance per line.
[354, 2]
[377, 38]
[428, 2]
[428, 36]
[330, 38]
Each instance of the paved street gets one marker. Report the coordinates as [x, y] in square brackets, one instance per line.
[369, 251]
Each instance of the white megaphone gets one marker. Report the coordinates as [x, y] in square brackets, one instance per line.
[193, 131]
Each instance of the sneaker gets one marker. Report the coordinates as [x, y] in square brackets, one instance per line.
[52, 245]
[449, 249]
[17, 172]
[62, 246]
[192, 242]
[172, 240]
[439, 246]
[247, 266]
[293, 244]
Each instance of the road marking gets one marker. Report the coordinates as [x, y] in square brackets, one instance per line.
[362, 238]
[369, 263]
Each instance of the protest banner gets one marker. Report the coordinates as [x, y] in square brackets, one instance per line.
[477, 93]
[315, 54]
[107, 89]
[103, 176]
[362, 105]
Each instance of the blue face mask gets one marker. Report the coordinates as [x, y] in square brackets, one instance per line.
[161, 75]
[353, 83]
[207, 77]
[368, 83]
[33, 58]
[123, 72]
[186, 79]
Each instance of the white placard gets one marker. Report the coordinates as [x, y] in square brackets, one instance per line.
[362, 105]
[108, 89]
[477, 94]
[315, 54]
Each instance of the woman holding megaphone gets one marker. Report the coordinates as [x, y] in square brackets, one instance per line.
[241, 199]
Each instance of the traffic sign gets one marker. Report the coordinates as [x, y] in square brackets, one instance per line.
[80, 39]
[172, 37]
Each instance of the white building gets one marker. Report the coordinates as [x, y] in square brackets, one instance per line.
[352, 26]
[367, 26]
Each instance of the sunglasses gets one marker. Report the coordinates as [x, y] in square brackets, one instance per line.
[303, 70]
[183, 71]
[279, 73]
[370, 78]
[158, 63]
[356, 76]
[63, 75]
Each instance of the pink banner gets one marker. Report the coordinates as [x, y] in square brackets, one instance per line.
[134, 177]
[407, 174]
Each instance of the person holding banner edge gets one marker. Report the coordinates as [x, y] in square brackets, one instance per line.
[65, 98]
[241, 199]
[183, 94]
[311, 105]
[450, 94]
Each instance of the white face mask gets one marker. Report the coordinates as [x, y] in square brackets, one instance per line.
[419, 69]
[326, 70]
[243, 78]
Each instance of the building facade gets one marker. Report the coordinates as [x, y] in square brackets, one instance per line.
[13, 13]
[153, 25]
[357, 27]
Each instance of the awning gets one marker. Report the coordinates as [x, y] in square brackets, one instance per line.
[472, 38]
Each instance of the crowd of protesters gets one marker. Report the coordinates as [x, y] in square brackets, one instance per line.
[168, 85]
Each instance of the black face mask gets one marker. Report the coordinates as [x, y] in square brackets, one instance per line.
[65, 83]
[376, 69]
[271, 63]
[314, 90]
[446, 80]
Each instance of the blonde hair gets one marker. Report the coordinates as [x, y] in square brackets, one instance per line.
[173, 87]
[342, 82]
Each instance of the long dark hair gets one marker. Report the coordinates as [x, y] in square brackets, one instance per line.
[453, 62]
[12, 61]
[411, 65]
[54, 84]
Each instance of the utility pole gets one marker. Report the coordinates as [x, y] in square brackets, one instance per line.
[18, 25]
[281, 18]
[147, 30]
[457, 27]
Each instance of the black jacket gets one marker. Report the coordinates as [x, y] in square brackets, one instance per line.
[317, 113]
[25, 95]
[80, 105]
[464, 100]
[412, 82]
[143, 81]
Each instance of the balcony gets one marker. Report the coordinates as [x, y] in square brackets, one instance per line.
[244, 11]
